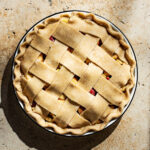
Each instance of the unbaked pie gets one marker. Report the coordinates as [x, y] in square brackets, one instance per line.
[74, 73]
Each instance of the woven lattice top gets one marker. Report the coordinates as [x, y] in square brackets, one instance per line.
[74, 73]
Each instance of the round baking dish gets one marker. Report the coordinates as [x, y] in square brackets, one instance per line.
[115, 28]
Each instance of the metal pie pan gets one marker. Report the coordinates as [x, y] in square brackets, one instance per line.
[114, 27]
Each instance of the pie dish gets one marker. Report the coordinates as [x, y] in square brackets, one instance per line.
[74, 73]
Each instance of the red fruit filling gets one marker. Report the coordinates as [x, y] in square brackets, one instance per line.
[107, 78]
[52, 38]
[93, 92]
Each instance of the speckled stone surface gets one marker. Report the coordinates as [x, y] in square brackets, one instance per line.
[18, 132]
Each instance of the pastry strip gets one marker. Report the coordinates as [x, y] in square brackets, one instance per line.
[33, 87]
[48, 101]
[73, 63]
[111, 45]
[109, 91]
[89, 27]
[55, 53]
[120, 73]
[26, 63]
[79, 95]
[48, 30]
[40, 43]
[60, 82]
[90, 77]
[96, 110]
[43, 72]
[72, 39]
[66, 113]
[85, 46]
[78, 121]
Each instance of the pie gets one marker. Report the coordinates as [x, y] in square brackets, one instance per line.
[74, 73]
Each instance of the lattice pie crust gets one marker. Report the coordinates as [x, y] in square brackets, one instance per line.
[74, 73]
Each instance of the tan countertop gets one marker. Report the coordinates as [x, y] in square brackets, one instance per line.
[18, 132]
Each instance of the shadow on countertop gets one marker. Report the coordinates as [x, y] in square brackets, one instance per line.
[34, 136]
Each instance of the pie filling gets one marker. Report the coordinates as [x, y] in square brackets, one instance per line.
[74, 73]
